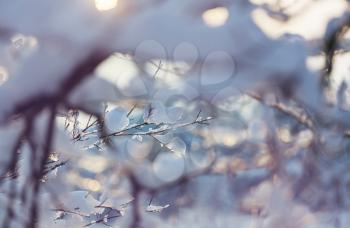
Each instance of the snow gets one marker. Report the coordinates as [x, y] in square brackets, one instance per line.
[179, 79]
[155, 208]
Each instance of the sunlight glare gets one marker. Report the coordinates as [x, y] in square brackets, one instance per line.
[104, 5]
[215, 17]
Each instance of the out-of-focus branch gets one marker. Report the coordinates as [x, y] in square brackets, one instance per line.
[77, 76]
[336, 29]
[38, 172]
[29, 110]
[138, 188]
[300, 117]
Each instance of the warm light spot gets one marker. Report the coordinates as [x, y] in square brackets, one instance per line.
[305, 138]
[230, 140]
[215, 17]
[92, 185]
[93, 163]
[103, 5]
[237, 164]
[220, 166]
[85, 183]
[263, 160]
[3, 75]
[285, 135]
